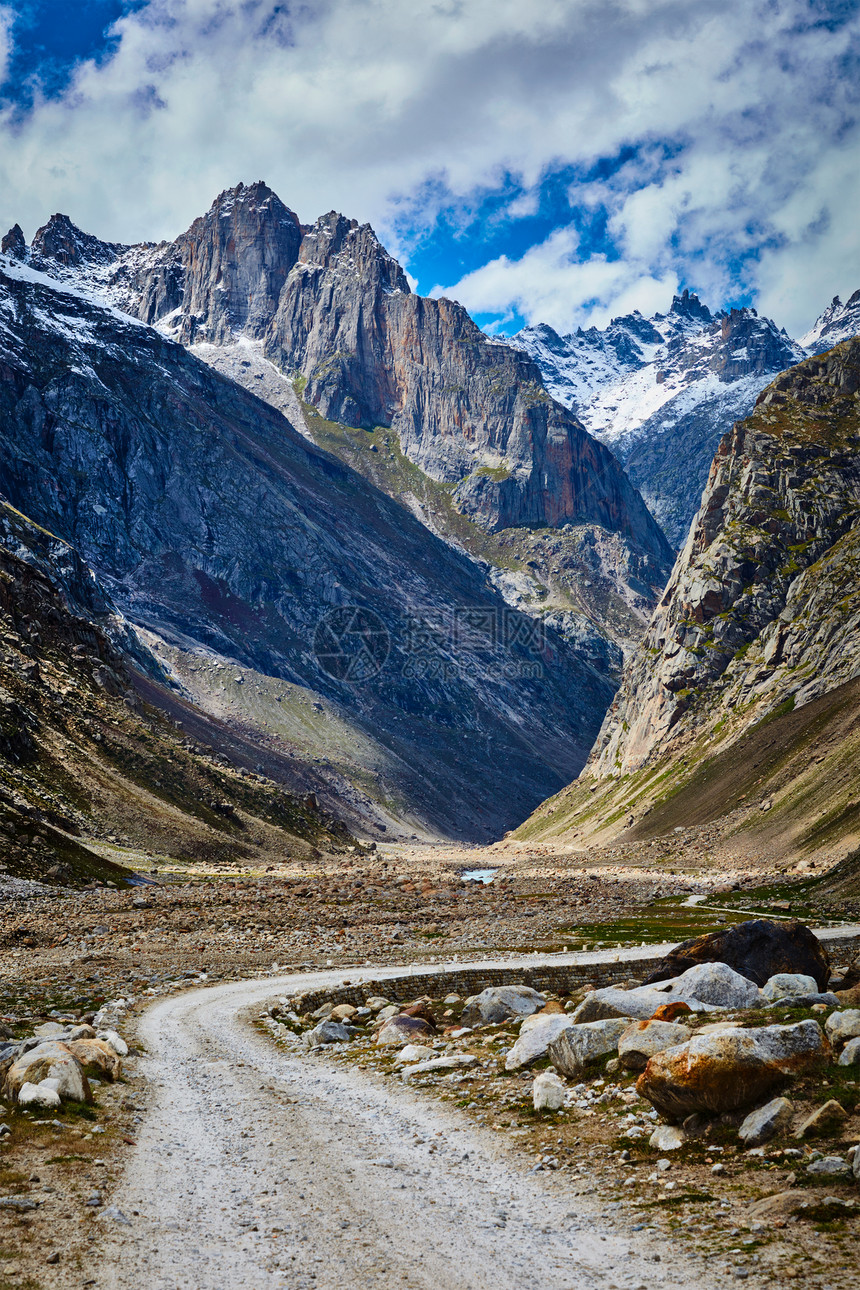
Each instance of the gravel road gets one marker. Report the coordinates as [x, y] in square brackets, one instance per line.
[259, 1169]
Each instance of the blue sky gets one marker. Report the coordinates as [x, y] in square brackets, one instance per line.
[539, 160]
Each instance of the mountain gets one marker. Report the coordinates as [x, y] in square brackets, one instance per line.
[838, 322]
[323, 312]
[744, 695]
[292, 599]
[661, 391]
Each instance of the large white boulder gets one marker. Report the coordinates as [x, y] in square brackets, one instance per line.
[730, 1068]
[705, 987]
[412, 1053]
[501, 1003]
[642, 1039]
[536, 1040]
[579, 1046]
[115, 1041]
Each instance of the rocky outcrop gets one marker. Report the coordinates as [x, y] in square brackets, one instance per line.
[759, 949]
[762, 605]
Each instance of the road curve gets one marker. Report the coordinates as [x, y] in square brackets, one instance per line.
[260, 1169]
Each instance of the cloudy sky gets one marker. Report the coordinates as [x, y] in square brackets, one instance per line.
[539, 160]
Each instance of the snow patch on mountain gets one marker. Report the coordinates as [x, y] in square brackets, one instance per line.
[838, 322]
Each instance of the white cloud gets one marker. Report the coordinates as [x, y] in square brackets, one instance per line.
[7, 18]
[376, 107]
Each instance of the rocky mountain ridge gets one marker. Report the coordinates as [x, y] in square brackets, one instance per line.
[219, 529]
[660, 391]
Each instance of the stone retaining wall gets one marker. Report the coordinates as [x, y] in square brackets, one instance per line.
[559, 978]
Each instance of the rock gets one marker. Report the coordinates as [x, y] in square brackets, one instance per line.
[667, 1138]
[784, 984]
[643, 1039]
[765, 1122]
[98, 1059]
[855, 1165]
[327, 1032]
[453, 1061]
[412, 1053]
[53, 1061]
[451, 1000]
[323, 1011]
[81, 1032]
[400, 1030]
[547, 1092]
[757, 949]
[830, 1167]
[114, 1041]
[670, 1011]
[375, 1002]
[826, 1119]
[50, 1030]
[536, 1041]
[22, 1204]
[820, 1002]
[842, 1026]
[420, 1009]
[387, 1012]
[343, 1012]
[553, 1008]
[39, 1095]
[722, 1071]
[704, 987]
[501, 1003]
[850, 1055]
[578, 1046]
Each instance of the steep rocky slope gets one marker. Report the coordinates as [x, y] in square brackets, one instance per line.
[743, 695]
[221, 530]
[326, 306]
[93, 780]
[661, 391]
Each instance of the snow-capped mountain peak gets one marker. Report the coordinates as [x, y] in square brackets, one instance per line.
[838, 322]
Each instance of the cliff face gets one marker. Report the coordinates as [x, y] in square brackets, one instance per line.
[330, 306]
[762, 605]
[218, 527]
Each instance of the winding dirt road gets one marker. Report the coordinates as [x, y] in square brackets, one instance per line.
[259, 1169]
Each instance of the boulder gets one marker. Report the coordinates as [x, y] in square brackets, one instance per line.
[501, 1003]
[842, 1026]
[82, 1032]
[729, 1068]
[553, 1008]
[830, 1167]
[671, 1011]
[705, 987]
[376, 1002]
[401, 1030]
[412, 1053]
[52, 1061]
[758, 949]
[343, 1012]
[114, 1041]
[547, 1092]
[50, 1030]
[855, 1166]
[824, 1120]
[783, 984]
[765, 1122]
[666, 1137]
[327, 1032]
[535, 1041]
[643, 1039]
[850, 1055]
[39, 1095]
[98, 1059]
[419, 1009]
[386, 1013]
[578, 1046]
